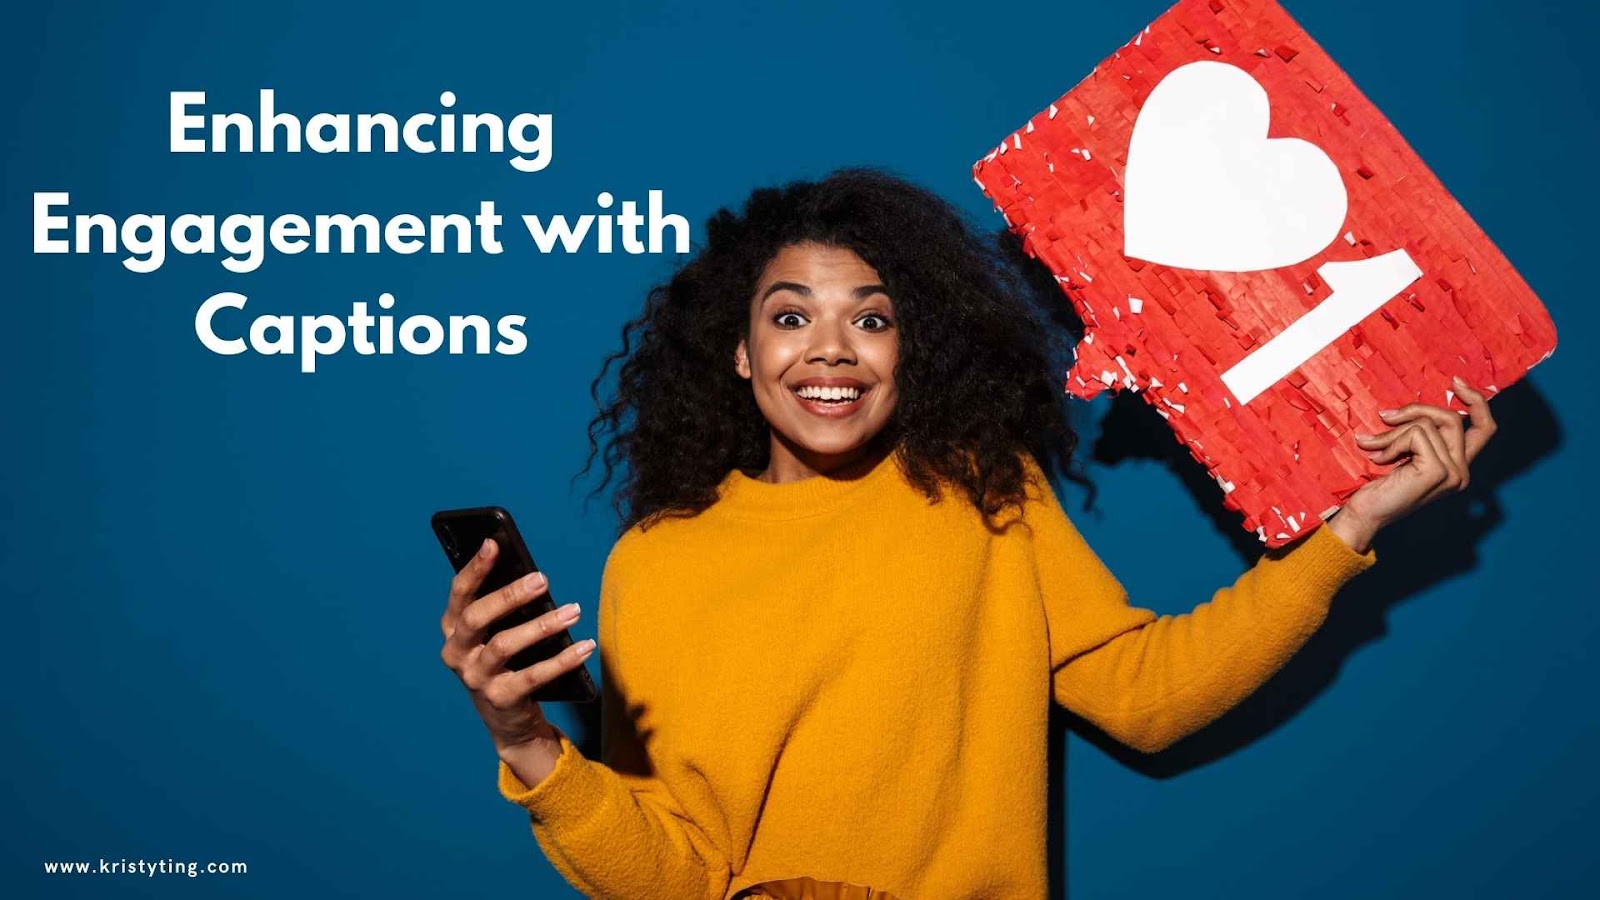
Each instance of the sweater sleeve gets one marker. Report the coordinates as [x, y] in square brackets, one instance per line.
[611, 828]
[1150, 680]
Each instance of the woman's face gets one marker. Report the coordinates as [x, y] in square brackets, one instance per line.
[821, 353]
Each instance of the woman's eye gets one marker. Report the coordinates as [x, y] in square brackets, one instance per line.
[789, 320]
[873, 322]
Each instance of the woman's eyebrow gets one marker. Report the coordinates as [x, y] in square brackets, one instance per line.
[777, 286]
[860, 293]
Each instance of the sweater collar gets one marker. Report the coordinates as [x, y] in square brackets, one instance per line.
[749, 497]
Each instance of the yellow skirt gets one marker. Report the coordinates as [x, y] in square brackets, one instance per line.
[810, 889]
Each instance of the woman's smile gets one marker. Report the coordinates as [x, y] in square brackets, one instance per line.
[830, 397]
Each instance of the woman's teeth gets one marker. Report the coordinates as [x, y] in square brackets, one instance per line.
[829, 394]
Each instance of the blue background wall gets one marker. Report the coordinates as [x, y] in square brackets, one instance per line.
[222, 596]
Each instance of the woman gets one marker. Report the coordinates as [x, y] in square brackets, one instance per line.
[846, 595]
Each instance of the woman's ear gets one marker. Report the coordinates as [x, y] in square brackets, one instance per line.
[741, 361]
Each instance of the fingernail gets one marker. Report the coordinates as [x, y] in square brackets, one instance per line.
[1386, 413]
[585, 648]
[484, 550]
[570, 611]
[1459, 382]
[535, 579]
[1363, 437]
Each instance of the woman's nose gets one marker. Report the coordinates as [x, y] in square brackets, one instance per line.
[830, 343]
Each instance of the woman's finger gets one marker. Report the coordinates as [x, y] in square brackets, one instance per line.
[1483, 424]
[1390, 445]
[1428, 458]
[509, 643]
[1447, 422]
[1454, 469]
[512, 687]
[481, 613]
[1371, 442]
[464, 586]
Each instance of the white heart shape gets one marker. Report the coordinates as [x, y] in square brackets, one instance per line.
[1207, 189]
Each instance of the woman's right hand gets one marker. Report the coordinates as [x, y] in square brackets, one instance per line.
[516, 723]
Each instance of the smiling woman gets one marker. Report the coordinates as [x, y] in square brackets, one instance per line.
[861, 278]
[834, 421]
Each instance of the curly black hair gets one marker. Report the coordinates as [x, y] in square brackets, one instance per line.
[976, 360]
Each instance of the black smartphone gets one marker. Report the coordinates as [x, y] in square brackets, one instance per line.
[461, 532]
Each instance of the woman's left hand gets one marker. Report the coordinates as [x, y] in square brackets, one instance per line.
[1434, 450]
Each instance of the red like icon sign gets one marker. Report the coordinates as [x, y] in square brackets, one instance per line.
[1255, 248]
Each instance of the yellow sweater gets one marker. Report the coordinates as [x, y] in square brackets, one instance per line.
[837, 678]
